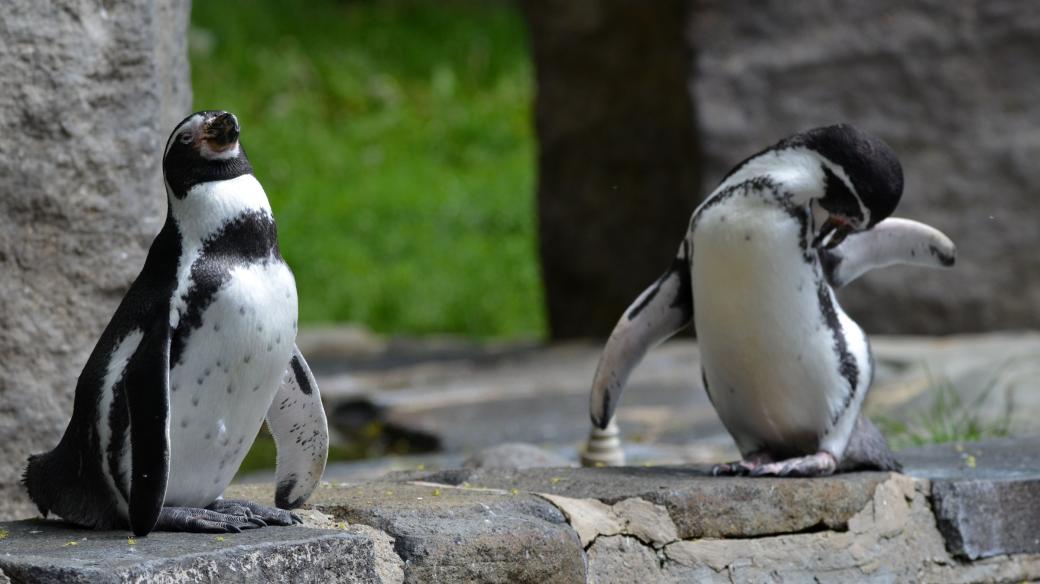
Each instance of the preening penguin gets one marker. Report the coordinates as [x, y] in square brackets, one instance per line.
[198, 353]
[784, 366]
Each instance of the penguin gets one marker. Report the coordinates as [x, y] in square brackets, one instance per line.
[785, 368]
[199, 352]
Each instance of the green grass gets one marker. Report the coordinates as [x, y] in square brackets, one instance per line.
[949, 418]
[394, 140]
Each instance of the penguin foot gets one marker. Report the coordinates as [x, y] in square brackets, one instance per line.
[196, 520]
[743, 467]
[255, 511]
[815, 465]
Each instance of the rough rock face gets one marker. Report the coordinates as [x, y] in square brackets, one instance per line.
[617, 160]
[951, 86]
[89, 93]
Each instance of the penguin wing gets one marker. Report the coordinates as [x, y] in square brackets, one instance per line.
[890, 242]
[296, 419]
[659, 312]
[147, 379]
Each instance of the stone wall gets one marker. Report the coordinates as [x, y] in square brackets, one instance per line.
[952, 86]
[88, 94]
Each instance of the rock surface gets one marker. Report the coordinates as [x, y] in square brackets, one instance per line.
[90, 94]
[582, 525]
[617, 153]
[447, 534]
[700, 505]
[47, 552]
[949, 86]
[986, 496]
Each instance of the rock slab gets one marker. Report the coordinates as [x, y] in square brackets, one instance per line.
[634, 524]
[447, 534]
[46, 552]
[986, 495]
[90, 92]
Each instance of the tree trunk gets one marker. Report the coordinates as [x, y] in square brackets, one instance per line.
[618, 175]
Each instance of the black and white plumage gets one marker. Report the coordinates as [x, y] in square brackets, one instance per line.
[784, 366]
[198, 353]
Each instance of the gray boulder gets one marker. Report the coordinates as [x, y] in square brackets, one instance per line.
[89, 95]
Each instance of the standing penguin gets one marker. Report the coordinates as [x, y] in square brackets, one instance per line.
[200, 350]
[784, 366]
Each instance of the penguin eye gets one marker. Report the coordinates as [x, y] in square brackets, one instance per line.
[185, 137]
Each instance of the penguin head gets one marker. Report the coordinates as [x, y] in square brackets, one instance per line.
[863, 180]
[203, 147]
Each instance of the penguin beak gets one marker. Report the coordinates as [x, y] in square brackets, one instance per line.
[221, 132]
[838, 228]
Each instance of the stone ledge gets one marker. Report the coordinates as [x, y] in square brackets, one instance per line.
[644, 524]
[986, 495]
[449, 534]
[699, 504]
[41, 551]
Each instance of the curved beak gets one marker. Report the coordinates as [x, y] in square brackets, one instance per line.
[222, 131]
[834, 231]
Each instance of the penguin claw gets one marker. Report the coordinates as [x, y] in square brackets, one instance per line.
[198, 520]
[744, 467]
[730, 469]
[260, 515]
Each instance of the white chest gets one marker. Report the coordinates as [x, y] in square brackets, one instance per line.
[226, 378]
[768, 354]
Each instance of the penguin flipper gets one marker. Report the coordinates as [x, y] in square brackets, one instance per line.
[659, 312]
[148, 401]
[296, 419]
[890, 242]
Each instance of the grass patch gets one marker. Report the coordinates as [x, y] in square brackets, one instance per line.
[949, 418]
[394, 140]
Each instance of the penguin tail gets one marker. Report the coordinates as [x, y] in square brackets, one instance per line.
[868, 449]
[60, 483]
[38, 481]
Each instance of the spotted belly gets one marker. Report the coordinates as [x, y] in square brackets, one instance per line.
[226, 377]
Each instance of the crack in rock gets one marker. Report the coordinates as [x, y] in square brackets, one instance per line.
[591, 518]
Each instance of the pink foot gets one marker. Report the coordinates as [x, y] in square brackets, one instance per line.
[815, 465]
[742, 467]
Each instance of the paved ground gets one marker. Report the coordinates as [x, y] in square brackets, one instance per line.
[442, 399]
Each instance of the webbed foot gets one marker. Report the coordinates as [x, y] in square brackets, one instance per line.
[255, 511]
[743, 467]
[815, 465]
[197, 520]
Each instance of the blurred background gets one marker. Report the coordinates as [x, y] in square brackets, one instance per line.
[533, 164]
[395, 142]
[471, 191]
